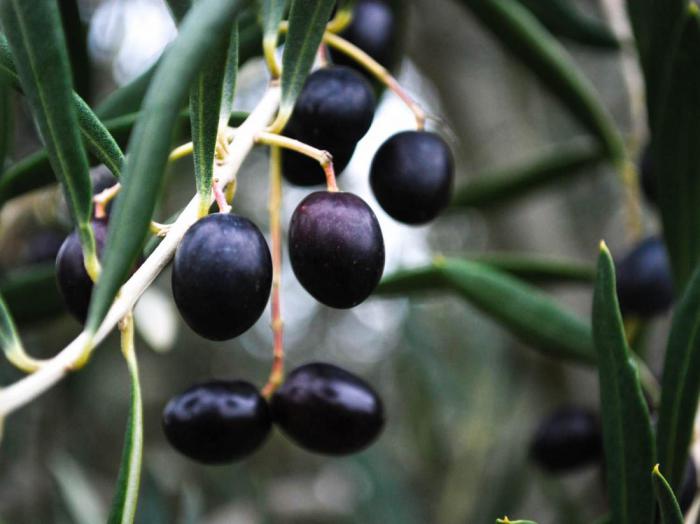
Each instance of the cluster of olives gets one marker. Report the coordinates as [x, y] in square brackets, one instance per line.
[222, 271]
[570, 438]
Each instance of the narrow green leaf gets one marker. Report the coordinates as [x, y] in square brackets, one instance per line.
[680, 384]
[656, 24]
[206, 23]
[668, 505]
[627, 434]
[205, 110]
[273, 11]
[34, 171]
[521, 34]
[501, 187]
[9, 339]
[677, 155]
[95, 135]
[229, 88]
[563, 19]
[76, 42]
[37, 44]
[307, 22]
[533, 317]
[538, 269]
[126, 496]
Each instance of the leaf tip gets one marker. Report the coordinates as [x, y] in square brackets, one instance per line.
[655, 471]
[603, 247]
[693, 9]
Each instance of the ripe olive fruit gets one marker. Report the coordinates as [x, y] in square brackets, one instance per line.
[73, 281]
[644, 281]
[333, 112]
[412, 175]
[326, 409]
[336, 248]
[222, 274]
[566, 440]
[374, 29]
[217, 422]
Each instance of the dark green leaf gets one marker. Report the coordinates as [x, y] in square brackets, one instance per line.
[76, 42]
[307, 23]
[668, 505]
[521, 34]
[126, 495]
[202, 29]
[538, 269]
[680, 384]
[205, 108]
[627, 434]
[229, 90]
[656, 24]
[37, 44]
[34, 171]
[677, 155]
[527, 313]
[128, 98]
[97, 138]
[501, 187]
[9, 339]
[563, 19]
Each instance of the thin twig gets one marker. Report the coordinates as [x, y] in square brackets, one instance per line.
[30, 387]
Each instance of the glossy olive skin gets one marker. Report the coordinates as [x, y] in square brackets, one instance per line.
[302, 170]
[73, 281]
[644, 281]
[217, 422]
[328, 410]
[412, 175]
[336, 248]
[568, 439]
[333, 112]
[222, 274]
[374, 29]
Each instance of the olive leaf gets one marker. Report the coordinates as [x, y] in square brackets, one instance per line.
[206, 23]
[35, 38]
[668, 505]
[500, 187]
[627, 435]
[205, 109]
[9, 339]
[272, 13]
[538, 269]
[126, 495]
[307, 22]
[531, 316]
[95, 134]
[680, 384]
[676, 153]
[563, 19]
[523, 36]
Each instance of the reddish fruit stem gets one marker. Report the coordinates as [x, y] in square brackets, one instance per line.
[105, 197]
[277, 371]
[220, 198]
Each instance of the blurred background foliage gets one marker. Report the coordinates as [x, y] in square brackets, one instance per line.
[463, 396]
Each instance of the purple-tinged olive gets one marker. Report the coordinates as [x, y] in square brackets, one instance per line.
[328, 410]
[217, 422]
[222, 274]
[73, 281]
[336, 248]
[644, 280]
[412, 176]
[568, 439]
